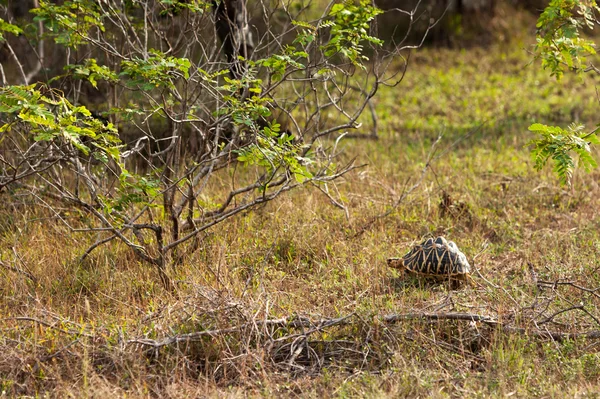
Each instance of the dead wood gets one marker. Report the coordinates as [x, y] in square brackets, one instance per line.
[309, 327]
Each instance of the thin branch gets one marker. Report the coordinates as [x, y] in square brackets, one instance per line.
[96, 245]
[309, 326]
[289, 322]
[20, 271]
[492, 322]
[554, 284]
[552, 316]
[40, 52]
[18, 62]
[55, 326]
[395, 318]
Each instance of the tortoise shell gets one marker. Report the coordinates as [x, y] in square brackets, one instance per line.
[435, 258]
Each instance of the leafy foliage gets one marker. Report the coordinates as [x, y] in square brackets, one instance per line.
[273, 150]
[174, 7]
[157, 70]
[558, 144]
[178, 107]
[279, 64]
[349, 28]
[559, 46]
[10, 28]
[559, 41]
[70, 22]
[51, 117]
[48, 117]
[92, 72]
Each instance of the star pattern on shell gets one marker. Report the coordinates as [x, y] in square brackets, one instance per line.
[437, 258]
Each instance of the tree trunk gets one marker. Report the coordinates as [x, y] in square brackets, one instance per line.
[231, 23]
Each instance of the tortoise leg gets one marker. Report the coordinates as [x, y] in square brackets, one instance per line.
[470, 280]
[458, 280]
[455, 283]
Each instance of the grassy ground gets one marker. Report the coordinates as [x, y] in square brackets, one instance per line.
[65, 327]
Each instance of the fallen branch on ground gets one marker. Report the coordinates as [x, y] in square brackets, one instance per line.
[320, 325]
[491, 322]
[289, 322]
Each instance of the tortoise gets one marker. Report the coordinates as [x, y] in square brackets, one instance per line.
[436, 258]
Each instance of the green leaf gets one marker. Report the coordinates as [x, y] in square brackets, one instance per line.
[71, 21]
[9, 28]
[158, 71]
[558, 144]
[349, 26]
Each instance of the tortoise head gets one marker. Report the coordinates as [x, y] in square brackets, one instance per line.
[396, 263]
[441, 241]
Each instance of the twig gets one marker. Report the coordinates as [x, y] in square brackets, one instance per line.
[452, 348]
[291, 322]
[491, 322]
[374, 134]
[96, 245]
[552, 316]
[18, 62]
[312, 326]
[60, 351]
[554, 284]
[48, 325]
[395, 318]
[315, 326]
[40, 53]
[485, 247]
[554, 335]
[20, 271]
[333, 201]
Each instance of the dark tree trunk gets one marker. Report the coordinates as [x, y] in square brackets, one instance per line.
[231, 23]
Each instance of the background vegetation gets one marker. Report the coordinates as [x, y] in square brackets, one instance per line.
[291, 299]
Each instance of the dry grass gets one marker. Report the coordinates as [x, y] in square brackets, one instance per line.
[65, 326]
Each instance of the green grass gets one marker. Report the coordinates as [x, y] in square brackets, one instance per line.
[301, 255]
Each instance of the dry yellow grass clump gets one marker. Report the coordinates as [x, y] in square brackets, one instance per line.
[295, 299]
